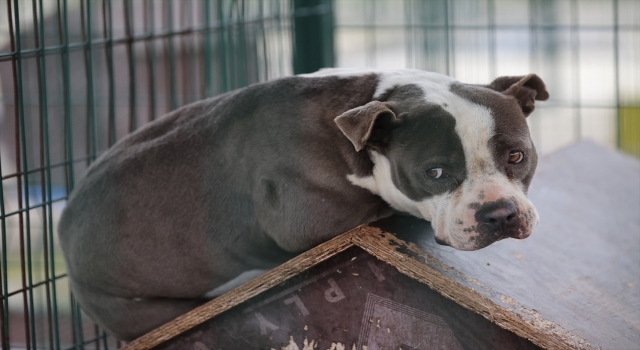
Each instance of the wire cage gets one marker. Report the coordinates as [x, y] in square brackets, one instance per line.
[78, 75]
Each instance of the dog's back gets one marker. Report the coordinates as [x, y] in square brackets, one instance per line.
[202, 195]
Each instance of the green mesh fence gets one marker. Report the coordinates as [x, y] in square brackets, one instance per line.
[78, 75]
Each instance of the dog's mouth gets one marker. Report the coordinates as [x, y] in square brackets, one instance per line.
[472, 242]
[482, 241]
[442, 241]
[467, 221]
[485, 225]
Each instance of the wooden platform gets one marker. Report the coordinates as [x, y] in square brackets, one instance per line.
[573, 284]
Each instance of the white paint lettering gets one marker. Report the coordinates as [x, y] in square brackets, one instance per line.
[376, 271]
[264, 324]
[296, 299]
[334, 293]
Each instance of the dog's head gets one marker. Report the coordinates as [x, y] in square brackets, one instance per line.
[458, 155]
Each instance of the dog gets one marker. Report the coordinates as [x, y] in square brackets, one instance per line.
[219, 191]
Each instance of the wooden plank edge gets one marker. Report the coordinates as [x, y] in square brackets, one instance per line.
[244, 292]
[542, 332]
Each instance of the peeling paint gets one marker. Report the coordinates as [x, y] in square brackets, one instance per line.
[508, 300]
[337, 346]
[292, 345]
[475, 281]
[534, 318]
[199, 346]
[309, 345]
[313, 345]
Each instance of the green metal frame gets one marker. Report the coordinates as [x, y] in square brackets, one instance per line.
[314, 47]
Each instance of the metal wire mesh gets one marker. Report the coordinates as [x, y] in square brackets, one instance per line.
[78, 75]
[587, 52]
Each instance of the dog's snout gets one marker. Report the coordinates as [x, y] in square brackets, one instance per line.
[498, 217]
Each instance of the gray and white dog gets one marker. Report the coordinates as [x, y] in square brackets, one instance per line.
[221, 190]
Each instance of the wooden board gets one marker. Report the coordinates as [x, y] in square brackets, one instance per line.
[352, 300]
[572, 284]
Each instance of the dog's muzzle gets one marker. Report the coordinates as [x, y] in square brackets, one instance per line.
[477, 225]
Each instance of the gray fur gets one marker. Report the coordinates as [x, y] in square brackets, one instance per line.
[214, 189]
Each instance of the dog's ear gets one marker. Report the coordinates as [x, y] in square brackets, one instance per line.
[358, 124]
[526, 89]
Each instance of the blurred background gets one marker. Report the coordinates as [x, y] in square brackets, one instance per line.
[76, 76]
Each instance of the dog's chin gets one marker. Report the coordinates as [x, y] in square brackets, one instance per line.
[474, 243]
[441, 241]
[451, 242]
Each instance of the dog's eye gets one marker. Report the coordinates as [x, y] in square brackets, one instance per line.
[435, 173]
[516, 157]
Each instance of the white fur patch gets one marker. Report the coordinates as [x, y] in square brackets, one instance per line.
[429, 82]
[474, 126]
[341, 72]
[381, 184]
[235, 282]
[389, 78]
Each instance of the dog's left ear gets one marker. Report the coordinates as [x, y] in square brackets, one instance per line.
[358, 124]
[526, 89]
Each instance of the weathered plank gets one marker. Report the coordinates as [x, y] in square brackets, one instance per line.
[242, 293]
[351, 301]
[572, 284]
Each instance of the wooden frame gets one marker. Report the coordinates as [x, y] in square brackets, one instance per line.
[409, 260]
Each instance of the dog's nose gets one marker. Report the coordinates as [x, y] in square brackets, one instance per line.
[498, 217]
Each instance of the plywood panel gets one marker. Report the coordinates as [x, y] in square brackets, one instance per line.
[352, 300]
[573, 284]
